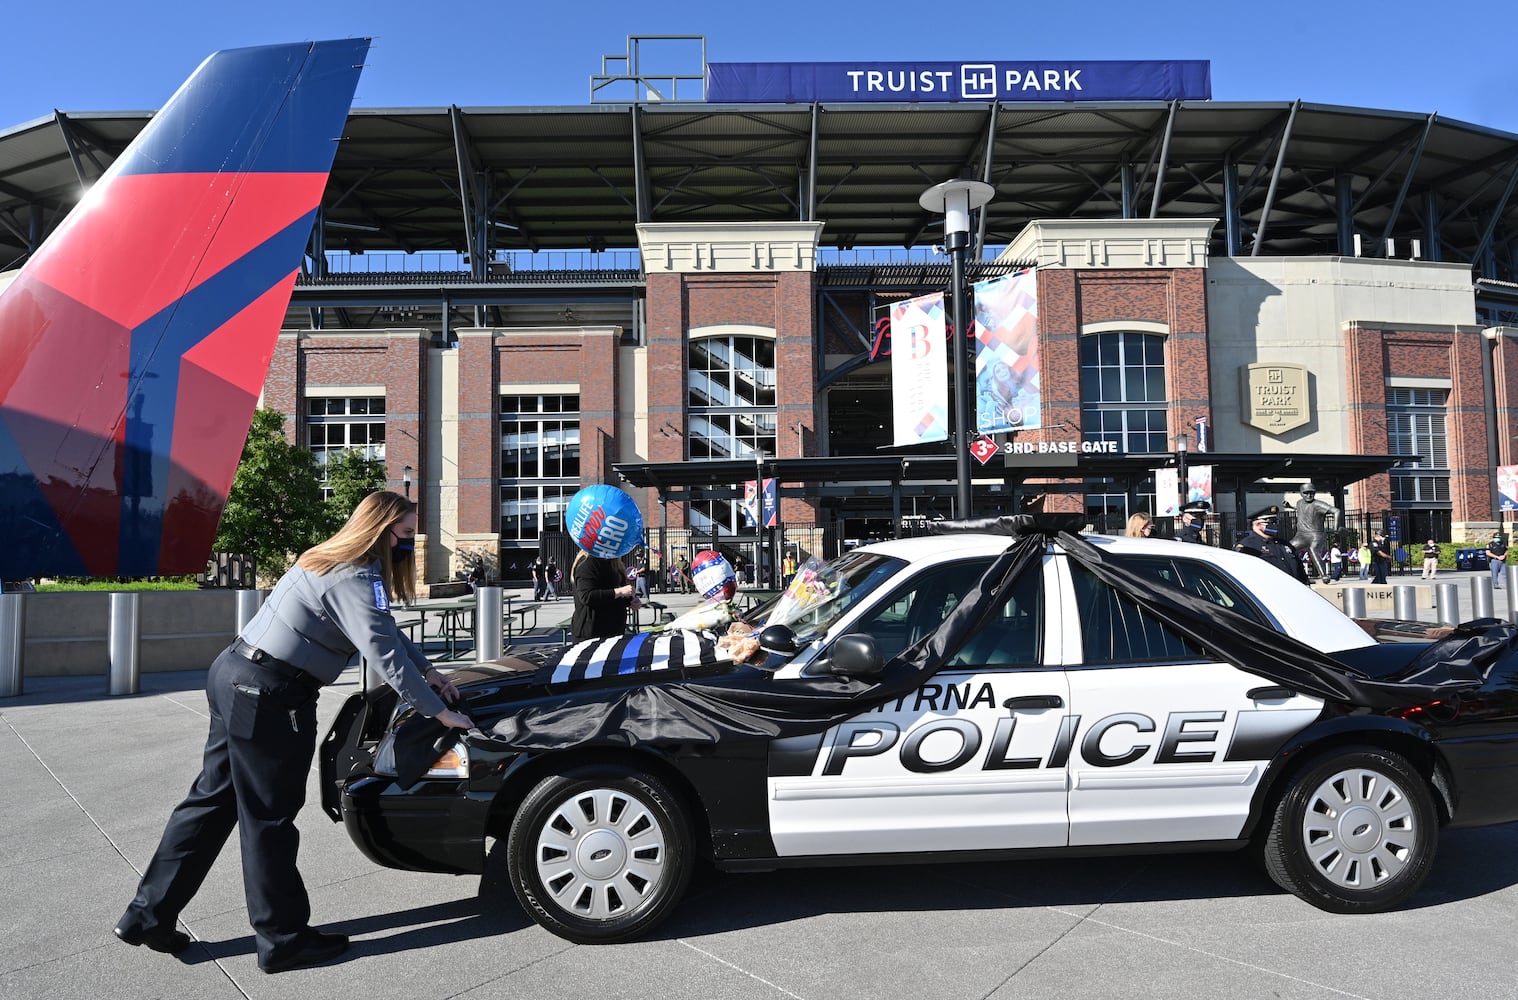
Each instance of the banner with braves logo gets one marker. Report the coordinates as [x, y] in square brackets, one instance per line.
[751, 503]
[1007, 392]
[919, 371]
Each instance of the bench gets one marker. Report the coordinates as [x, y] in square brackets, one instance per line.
[657, 615]
[519, 616]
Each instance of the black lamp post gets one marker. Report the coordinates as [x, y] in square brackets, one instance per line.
[406, 480]
[1181, 446]
[956, 200]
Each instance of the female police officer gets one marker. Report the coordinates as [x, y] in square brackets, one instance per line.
[262, 693]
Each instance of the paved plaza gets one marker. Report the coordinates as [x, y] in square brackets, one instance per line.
[89, 781]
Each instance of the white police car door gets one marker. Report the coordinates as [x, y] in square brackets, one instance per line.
[1169, 745]
[971, 760]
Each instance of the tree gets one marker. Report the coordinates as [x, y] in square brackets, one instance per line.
[275, 507]
[351, 476]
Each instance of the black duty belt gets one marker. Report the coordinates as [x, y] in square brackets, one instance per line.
[275, 665]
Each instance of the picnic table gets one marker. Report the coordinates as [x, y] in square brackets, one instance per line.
[456, 620]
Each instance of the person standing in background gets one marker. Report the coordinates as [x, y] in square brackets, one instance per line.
[1380, 558]
[603, 597]
[1496, 558]
[1193, 519]
[1431, 560]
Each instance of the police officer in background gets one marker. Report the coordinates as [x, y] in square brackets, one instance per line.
[1261, 541]
[262, 697]
[1193, 519]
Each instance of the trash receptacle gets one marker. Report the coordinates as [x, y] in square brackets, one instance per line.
[1470, 559]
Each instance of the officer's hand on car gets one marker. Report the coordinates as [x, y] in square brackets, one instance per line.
[454, 720]
[442, 684]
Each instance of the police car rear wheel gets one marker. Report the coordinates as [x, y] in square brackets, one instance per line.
[1354, 833]
[599, 853]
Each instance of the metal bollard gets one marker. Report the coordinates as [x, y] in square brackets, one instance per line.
[1449, 603]
[12, 643]
[248, 603]
[126, 621]
[1481, 597]
[1354, 602]
[487, 624]
[1405, 602]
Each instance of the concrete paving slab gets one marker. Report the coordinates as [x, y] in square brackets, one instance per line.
[81, 817]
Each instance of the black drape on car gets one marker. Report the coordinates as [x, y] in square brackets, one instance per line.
[1459, 661]
[745, 703]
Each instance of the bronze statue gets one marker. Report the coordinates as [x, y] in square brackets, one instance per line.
[1315, 519]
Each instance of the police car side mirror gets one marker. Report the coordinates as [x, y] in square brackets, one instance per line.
[778, 639]
[855, 656]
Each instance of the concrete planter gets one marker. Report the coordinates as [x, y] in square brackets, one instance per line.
[67, 634]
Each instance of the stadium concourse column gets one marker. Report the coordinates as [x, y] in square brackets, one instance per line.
[712, 280]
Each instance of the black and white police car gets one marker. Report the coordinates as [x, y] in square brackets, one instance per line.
[969, 695]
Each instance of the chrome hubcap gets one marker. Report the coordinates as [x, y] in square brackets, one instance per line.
[601, 853]
[1359, 830]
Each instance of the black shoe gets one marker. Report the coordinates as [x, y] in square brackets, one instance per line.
[167, 940]
[313, 949]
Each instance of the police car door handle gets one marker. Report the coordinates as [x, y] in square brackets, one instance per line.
[1271, 693]
[1035, 701]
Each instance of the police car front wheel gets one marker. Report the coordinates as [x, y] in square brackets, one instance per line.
[600, 853]
[1355, 832]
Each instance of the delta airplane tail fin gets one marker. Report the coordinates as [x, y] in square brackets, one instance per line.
[135, 341]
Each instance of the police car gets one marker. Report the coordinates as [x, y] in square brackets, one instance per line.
[974, 695]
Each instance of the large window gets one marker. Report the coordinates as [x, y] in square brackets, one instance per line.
[730, 383]
[540, 463]
[1123, 400]
[338, 423]
[1415, 426]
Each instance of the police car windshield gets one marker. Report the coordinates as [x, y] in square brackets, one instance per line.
[821, 593]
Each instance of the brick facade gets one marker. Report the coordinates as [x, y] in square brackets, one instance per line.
[1072, 300]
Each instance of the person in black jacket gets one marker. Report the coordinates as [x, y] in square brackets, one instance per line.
[1193, 519]
[1261, 541]
[603, 596]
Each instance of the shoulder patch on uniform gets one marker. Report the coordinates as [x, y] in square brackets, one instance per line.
[381, 601]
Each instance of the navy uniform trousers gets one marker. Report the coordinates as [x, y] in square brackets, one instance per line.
[257, 757]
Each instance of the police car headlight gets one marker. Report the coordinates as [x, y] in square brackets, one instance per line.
[454, 763]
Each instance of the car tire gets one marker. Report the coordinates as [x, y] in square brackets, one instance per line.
[1354, 832]
[599, 854]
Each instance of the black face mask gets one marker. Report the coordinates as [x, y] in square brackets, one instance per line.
[402, 548]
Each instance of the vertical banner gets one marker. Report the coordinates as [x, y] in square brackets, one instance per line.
[1199, 484]
[1203, 434]
[751, 504]
[1507, 487]
[1167, 493]
[919, 371]
[1007, 391]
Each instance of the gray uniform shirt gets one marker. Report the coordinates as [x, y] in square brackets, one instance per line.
[317, 623]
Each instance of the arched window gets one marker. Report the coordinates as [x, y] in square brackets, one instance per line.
[730, 397]
[1124, 400]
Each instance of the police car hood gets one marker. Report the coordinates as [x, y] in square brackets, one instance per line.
[689, 706]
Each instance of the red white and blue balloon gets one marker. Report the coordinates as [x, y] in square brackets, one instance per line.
[604, 521]
[713, 576]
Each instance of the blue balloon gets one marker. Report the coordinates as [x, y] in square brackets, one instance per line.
[604, 521]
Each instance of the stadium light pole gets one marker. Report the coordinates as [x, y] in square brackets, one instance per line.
[955, 200]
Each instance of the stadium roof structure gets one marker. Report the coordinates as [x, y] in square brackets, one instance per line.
[1284, 178]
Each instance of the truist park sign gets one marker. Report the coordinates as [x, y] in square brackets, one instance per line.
[804, 83]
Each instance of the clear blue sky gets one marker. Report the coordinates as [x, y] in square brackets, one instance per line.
[90, 55]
